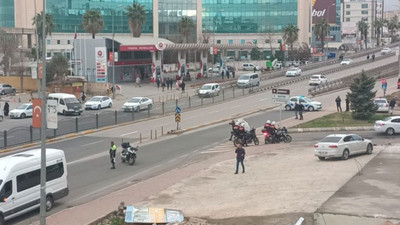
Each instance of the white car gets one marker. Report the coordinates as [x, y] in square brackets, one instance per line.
[22, 111]
[209, 90]
[346, 61]
[294, 71]
[342, 146]
[386, 51]
[317, 79]
[98, 102]
[389, 125]
[137, 103]
[383, 105]
[213, 70]
[308, 104]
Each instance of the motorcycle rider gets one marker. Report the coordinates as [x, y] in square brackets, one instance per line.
[235, 127]
[242, 134]
[267, 125]
[273, 130]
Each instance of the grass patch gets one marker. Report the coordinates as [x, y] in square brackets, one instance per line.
[341, 120]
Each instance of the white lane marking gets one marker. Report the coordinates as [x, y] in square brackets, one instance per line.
[128, 133]
[98, 155]
[92, 143]
[263, 99]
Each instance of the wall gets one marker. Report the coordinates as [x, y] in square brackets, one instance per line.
[15, 81]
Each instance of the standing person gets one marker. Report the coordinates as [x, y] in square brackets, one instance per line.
[6, 108]
[183, 86]
[296, 110]
[227, 73]
[223, 73]
[158, 82]
[113, 150]
[373, 56]
[368, 56]
[83, 96]
[163, 85]
[233, 73]
[338, 104]
[138, 81]
[301, 110]
[255, 69]
[240, 152]
[392, 104]
[347, 104]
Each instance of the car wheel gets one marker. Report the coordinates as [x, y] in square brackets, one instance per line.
[345, 154]
[258, 83]
[369, 149]
[13, 91]
[150, 106]
[311, 108]
[22, 116]
[98, 107]
[137, 109]
[49, 203]
[321, 158]
[64, 113]
[110, 105]
[3, 92]
[288, 108]
[2, 220]
[390, 131]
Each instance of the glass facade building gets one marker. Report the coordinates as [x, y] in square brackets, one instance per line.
[7, 13]
[248, 16]
[68, 14]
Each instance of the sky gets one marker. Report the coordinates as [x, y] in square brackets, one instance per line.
[388, 4]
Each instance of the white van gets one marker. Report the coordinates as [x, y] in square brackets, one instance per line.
[250, 66]
[248, 80]
[20, 181]
[209, 90]
[66, 103]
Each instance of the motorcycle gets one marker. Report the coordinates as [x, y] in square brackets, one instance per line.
[267, 138]
[246, 138]
[280, 136]
[128, 153]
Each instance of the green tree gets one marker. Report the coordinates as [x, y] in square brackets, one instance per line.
[378, 25]
[363, 28]
[321, 30]
[290, 34]
[93, 22]
[137, 16]
[186, 26]
[8, 46]
[255, 53]
[361, 97]
[57, 68]
[392, 25]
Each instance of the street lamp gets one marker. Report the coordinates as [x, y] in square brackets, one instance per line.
[113, 55]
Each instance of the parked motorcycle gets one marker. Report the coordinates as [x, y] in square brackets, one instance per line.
[267, 138]
[280, 136]
[128, 153]
[246, 138]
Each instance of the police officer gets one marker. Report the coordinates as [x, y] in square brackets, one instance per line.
[113, 150]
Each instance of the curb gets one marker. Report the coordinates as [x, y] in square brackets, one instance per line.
[324, 129]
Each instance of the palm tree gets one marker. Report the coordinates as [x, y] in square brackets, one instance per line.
[378, 25]
[392, 25]
[93, 22]
[321, 29]
[137, 16]
[186, 26]
[38, 21]
[290, 35]
[363, 28]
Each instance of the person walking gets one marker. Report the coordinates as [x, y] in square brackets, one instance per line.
[373, 57]
[301, 110]
[163, 85]
[6, 108]
[240, 153]
[158, 82]
[83, 96]
[338, 104]
[183, 86]
[255, 69]
[367, 56]
[296, 110]
[347, 104]
[223, 73]
[167, 83]
[113, 151]
[392, 104]
[138, 81]
[233, 72]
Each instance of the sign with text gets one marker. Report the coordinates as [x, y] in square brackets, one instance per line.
[51, 116]
[37, 113]
[143, 48]
[324, 9]
[280, 95]
[152, 215]
[101, 64]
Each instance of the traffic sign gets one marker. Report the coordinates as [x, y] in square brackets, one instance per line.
[177, 117]
[280, 95]
[281, 91]
[178, 110]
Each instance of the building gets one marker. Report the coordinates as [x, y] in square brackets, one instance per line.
[361, 10]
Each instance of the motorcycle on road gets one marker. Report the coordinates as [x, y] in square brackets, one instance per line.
[247, 138]
[128, 153]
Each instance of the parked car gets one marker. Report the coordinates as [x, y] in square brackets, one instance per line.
[342, 146]
[386, 51]
[213, 70]
[309, 104]
[250, 66]
[389, 125]
[294, 71]
[346, 61]
[22, 111]
[138, 103]
[317, 79]
[383, 105]
[6, 89]
[248, 80]
[208, 90]
[98, 102]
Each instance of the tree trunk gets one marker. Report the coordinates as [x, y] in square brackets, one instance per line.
[365, 41]
[22, 82]
[322, 43]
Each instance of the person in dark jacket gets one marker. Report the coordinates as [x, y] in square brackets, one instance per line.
[392, 104]
[296, 109]
[183, 86]
[338, 104]
[240, 153]
[301, 110]
[6, 108]
[158, 82]
[347, 104]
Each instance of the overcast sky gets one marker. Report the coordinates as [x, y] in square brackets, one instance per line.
[389, 5]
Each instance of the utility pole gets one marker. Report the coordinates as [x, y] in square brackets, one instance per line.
[113, 60]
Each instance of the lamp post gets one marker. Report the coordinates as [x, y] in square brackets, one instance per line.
[213, 56]
[113, 55]
[327, 42]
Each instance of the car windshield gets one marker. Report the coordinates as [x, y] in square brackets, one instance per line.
[315, 77]
[380, 101]
[71, 100]
[134, 100]
[244, 77]
[23, 106]
[95, 99]
[306, 99]
[206, 87]
[293, 69]
[347, 60]
[331, 139]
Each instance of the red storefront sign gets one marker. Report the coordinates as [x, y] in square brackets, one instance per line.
[134, 62]
[143, 48]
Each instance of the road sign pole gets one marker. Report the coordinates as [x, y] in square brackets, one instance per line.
[280, 114]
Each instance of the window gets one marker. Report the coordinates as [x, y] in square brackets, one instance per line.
[396, 121]
[55, 171]
[48, 54]
[48, 41]
[347, 19]
[69, 42]
[6, 191]
[347, 6]
[230, 42]
[347, 12]
[348, 138]
[364, 12]
[28, 180]
[242, 41]
[255, 41]
[218, 41]
[62, 101]
[364, 6]
[58, 42]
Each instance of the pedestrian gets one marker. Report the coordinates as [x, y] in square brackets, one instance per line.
[240, 153]
[227, 73]
[6, 108]
[233, 73]
[338, 104]
[367, 56]
[347, 104]
[223, 73]
[171, 82]
[178, 84]
[296, 109]
[158, 82]
[163, 85]
[113, 150]
[301, 110]
[392, 104]
[373, 56]
[255, 69]
[138, 81]
[83, 96]
[183, 86]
